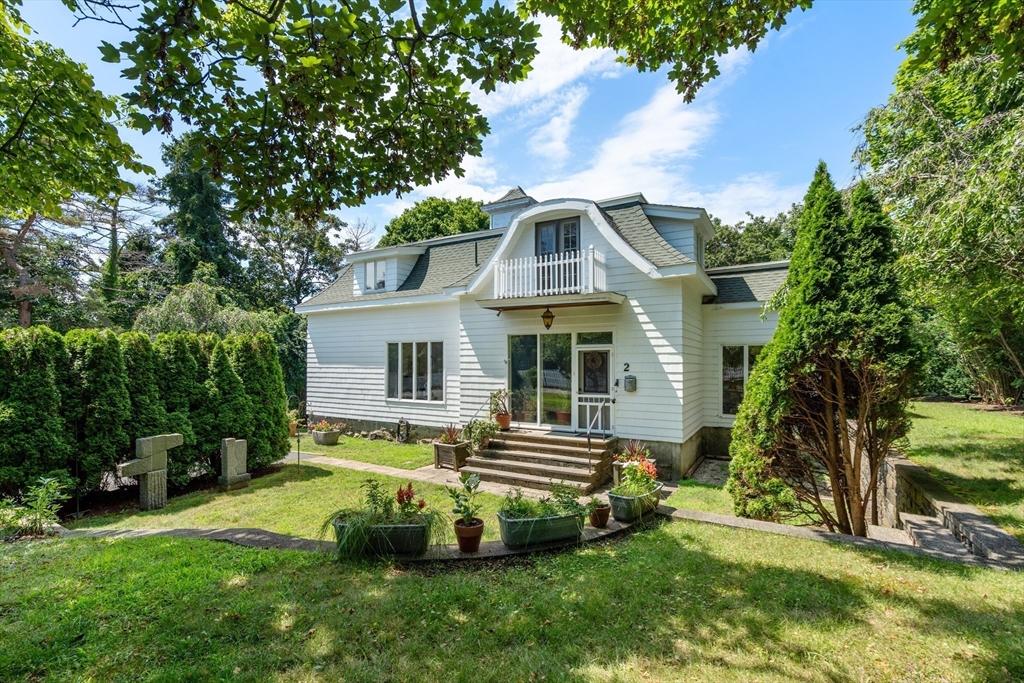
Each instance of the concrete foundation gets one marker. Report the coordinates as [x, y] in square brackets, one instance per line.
[416, 432]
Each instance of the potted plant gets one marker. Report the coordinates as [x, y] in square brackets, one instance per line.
[468, 527]
[450, 448]
[387, 524]
[599, 511]
[480, 432]
[639, 490]
[524, 522]
[293, 421]
[499, 408]
[326, 433]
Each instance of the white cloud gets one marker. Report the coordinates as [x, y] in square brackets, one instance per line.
[550, 141]
[556, 66]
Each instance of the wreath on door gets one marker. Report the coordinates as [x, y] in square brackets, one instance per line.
[594, 361]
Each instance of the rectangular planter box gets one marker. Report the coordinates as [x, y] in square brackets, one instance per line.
[632, 508]
[452, 455]
[392, 539]
[518, 533]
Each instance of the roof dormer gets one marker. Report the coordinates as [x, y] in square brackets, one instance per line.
[503, 210]
[382, 270]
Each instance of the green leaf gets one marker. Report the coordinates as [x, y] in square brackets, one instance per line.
[110, 53]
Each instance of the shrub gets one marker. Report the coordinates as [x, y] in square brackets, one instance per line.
[148, 415]
[254, 358]
[176, 382]
[232, 410]
[38, 510]
[96, 404]
[33, 434]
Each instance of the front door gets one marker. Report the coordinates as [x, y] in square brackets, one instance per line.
[594, 390]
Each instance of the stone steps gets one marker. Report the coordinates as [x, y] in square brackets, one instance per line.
[539, 458]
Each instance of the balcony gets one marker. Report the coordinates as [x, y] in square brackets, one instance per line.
[568, 273]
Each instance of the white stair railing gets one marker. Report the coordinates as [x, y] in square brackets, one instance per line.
[571, 272]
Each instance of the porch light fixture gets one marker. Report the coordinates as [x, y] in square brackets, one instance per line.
[548, 317]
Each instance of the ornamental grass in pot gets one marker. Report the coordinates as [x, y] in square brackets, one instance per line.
[326, 433]
[387, 524]
[639, 490]
[524, 522]
[499, 408]
[468, 527]
[451, 448]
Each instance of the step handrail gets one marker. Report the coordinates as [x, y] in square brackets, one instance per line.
[597, 413]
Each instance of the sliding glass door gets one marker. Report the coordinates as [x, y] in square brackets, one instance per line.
[540, 379]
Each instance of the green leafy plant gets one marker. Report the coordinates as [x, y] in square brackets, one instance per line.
[463, 498]
[38, 510]
[595, 503]
[477, 432]
[639, 475]
[563, 501]
[357, 528]
[499, 402]
[450, 434]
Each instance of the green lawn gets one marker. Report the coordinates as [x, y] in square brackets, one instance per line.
[978, 454]
[281, 502]
[407, 456]
[680, 602]
[693, 495]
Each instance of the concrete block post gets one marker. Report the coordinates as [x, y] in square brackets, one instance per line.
[232, 465]
[150, 466]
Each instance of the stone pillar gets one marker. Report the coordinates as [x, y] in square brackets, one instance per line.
[232, 465]
[150, 466]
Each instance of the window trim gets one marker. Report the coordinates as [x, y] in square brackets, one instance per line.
[558, 224]
[379, 266]
[746, 373]
[430, 361]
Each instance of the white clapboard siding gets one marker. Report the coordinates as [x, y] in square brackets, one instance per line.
[693, 362]
[347, 354]
[726, 327]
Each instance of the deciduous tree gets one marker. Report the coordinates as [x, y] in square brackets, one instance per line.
[434, 217]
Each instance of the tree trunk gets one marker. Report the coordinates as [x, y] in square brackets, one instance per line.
[11, 257]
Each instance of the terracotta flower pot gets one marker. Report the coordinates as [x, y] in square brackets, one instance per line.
[504, 421]
[599, 517]
[292, 426]
[469, 535]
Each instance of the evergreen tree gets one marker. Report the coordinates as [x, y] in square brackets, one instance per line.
[96, 404]
[827, 398]
[33, 439]
[148, 416]
[231, 407]
[176, 384]
[254, 358]
[198, 216]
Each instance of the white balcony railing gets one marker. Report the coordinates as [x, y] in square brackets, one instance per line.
[571, 272]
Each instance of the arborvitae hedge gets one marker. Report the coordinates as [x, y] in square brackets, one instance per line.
[254, 358]
[176, 382]
[148, 416]
[231, 407]
[33, 435]
[97, 406]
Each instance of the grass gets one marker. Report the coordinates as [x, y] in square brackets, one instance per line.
[977, 454]
[282, 502]
[682, 601]
[406, 456]
[694, 495]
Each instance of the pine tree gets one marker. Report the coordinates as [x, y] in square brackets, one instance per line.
[231, 407]
[827, 398]
[97, 406]
[254, 358]
[33, 435]
[148, 416]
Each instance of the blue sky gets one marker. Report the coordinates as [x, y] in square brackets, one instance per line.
[582, 125]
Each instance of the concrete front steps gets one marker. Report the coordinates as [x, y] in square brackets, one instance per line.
[536, 459]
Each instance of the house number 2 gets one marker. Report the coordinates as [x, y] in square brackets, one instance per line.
[625, 367]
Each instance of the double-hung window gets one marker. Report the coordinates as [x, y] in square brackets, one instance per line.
[415, 371]
[737, 364]
[376, 276]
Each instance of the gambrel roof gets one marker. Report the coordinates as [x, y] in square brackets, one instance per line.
[633, 225]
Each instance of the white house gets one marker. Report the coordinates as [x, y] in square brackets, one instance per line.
[645, 343]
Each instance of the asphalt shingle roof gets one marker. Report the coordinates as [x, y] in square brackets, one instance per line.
[515, 193]
[633, 225]
[747, 283]
[441, 265]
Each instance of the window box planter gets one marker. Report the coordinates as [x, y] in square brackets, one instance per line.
[326, 438]
[519, 533]
[452, 455]
[392, 539]
[632, 508]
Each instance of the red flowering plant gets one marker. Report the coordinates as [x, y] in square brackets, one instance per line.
[325, 426]
[407, 503]
[639, 475]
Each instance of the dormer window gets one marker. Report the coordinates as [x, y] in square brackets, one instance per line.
[376, 276]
